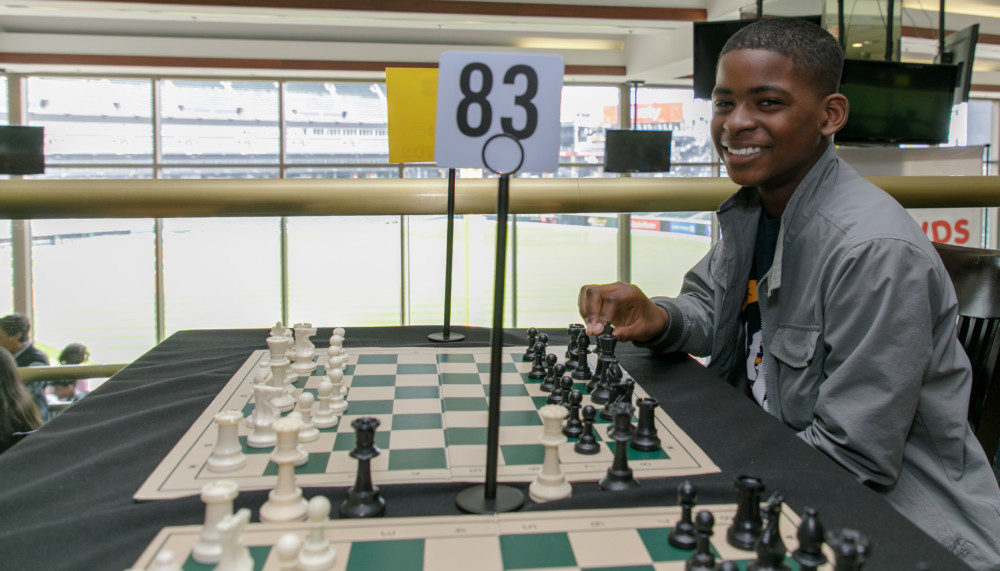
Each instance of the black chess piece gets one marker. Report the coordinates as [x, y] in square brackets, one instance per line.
[606, 354]
[611, 373]
[682, 535]
[747, 523]
[583, 372]
[645, 437]
[809, 554]
[543, 338]
[538, 366]
[572, 355]
[363, 499]
[850, 549]
[619, 390]
[549, 384]
[529, 355]
[550, 361]
[619, 476]
[728, 566]
[574, 426]
[558, 394]
[702, 559]
[770, 548]
[588, 444]
[566, 384]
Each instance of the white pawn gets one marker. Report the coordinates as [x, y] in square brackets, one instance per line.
[309, 432]
[550, 484]
[337, 403]
[228, 454]
[218, 498]
[336, 342]
[334, 359]
[285, 503]
[324, 417]
[287, 550]
[264, 415]
[339, 332]
[317, 554]
[165, 561]
[235, 555]
[303, 455]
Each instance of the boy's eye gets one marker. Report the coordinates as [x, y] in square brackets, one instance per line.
[722, 104]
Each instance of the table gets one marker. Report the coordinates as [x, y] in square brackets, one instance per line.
[66, 501]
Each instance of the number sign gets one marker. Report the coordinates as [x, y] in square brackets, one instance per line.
[482, 95]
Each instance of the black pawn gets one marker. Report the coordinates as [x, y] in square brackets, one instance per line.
[747, 523]
[529, 355]
[702, 559]
[363, 499]
[809, 554]
[574, 426]
[728, 566]
[543, 338]
[582, 372]
[682, 535]
[770, 548]
[850, 550]
[538, 366]
[619, 476]
[550, 361]
[558, 394]
[549, 384]
[588, 443]
[645, 437]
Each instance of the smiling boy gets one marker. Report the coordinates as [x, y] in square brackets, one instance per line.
[823, 300]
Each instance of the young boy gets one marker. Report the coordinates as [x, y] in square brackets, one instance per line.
[824, 300]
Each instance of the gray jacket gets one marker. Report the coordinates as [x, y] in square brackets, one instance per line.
[862, 357]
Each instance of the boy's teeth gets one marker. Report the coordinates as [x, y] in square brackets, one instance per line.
[746, 151]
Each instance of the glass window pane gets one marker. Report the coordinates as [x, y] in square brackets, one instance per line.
[221, 273]
[94, 284]
[336, 123]
[585, 112]
[678, 111]
[4, 118]
[220, 172]
[344, 270]
[7, 262]
[342, 172]
[89, 120]
[556, 254]
[92, 173]
[206, 121]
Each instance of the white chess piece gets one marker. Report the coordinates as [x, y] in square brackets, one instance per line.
[285, 503]
[278, 330]
[324, 417]
[317, 554]
[228, 454]
[264, 415]
[166, 561]
[283, 400]
[339, 332]
[336, 342]
[303, 455]
[235, 555]
[287, 551]
[304, 350]
[337, 403]
[309, 432]
[218, 497]
[550, 484]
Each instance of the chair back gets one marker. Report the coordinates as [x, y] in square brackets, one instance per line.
[975, 273]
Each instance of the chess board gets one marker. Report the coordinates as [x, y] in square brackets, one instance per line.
[633, 539]
[432, 407]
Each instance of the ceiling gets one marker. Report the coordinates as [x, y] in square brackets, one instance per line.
[611, 41]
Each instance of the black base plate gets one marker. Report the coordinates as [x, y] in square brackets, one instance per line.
[473, 500]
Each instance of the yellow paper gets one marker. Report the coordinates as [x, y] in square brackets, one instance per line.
[412, 100]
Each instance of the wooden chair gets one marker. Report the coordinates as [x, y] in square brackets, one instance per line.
[975, 273]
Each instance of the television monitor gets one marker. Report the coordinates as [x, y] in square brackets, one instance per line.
[636, 151]
[897, 102]
[709, 39]
[960, 50]
[21, 150]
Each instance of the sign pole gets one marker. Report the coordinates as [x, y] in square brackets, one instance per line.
[446, 335]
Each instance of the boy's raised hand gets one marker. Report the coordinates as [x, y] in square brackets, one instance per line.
[634, 316]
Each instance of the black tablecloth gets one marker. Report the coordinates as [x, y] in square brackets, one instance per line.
[66, 498]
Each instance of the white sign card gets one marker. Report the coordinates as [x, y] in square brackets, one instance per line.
[486, 97]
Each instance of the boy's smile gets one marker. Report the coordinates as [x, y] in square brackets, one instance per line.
[769, 123]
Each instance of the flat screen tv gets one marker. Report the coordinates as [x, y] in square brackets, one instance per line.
[960, 50]
[636, 151]
[709, 39]
[21, 150]
[897, 102]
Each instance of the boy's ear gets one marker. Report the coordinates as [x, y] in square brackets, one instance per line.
[835, 108]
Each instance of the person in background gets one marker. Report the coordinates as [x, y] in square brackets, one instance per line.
[18, 414]
[76, 354]
[14, 337]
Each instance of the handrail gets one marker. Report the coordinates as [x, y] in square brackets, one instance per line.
[161, 198]
[68, 372]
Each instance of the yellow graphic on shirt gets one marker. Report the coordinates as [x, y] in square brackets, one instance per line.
[751, 294]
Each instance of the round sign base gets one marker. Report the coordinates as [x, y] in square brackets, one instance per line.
[449, 338]
[473, 500]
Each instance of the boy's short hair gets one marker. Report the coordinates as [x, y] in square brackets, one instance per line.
[74, 354]
[15, 324]
[813, 51]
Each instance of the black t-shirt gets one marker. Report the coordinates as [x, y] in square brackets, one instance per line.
[764, 247]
